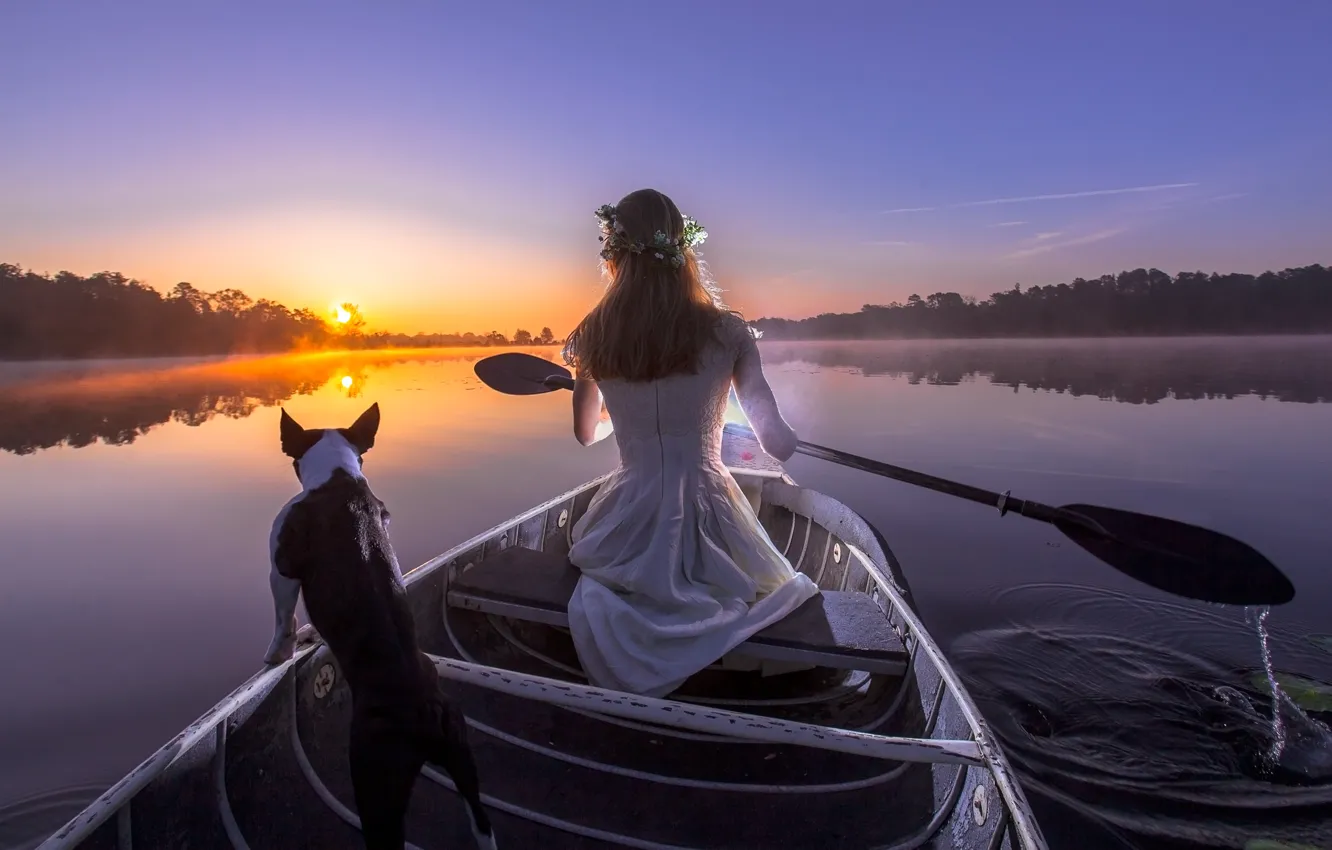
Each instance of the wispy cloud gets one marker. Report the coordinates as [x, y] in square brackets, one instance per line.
[1063, 196]
[1048, 246]
[1066, 195]
[1006, 224]
[1040, 237]
[1232, 196]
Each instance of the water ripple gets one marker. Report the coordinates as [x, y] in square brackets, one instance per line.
[1099, 708]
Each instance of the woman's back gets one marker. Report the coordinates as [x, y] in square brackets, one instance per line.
[679, 418]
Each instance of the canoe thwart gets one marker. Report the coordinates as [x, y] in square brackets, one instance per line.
[710, 719]
[844, 631]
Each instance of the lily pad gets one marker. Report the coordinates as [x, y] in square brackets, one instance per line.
[1269, 844]
[1308, 694]
[1323, 642]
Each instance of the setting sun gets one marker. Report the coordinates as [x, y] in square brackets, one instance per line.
[341, 315]
[346, 382]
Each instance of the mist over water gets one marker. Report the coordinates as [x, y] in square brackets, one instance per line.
[136, 497]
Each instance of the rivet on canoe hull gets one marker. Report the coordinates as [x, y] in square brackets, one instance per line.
[323, 681]
[980, 805]
[564, 518]
[837, 553]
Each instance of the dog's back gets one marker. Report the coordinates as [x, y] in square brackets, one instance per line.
[331, 545]
[335, 541]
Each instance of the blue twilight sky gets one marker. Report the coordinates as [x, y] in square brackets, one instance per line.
[439, 162]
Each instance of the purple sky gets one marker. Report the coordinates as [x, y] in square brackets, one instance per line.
[439, 162]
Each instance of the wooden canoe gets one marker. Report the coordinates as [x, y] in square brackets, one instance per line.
[841, 726]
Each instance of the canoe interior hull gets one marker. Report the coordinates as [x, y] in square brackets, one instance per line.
[270, 770]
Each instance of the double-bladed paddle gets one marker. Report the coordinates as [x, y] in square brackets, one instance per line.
[1179, 558]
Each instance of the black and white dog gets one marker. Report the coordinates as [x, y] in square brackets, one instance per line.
[331, 543]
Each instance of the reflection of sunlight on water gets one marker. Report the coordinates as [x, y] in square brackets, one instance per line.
[353, 385]
[118, 401]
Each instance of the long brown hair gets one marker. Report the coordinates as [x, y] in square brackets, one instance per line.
[655, 317]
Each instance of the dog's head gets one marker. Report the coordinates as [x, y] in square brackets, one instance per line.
[317, 452]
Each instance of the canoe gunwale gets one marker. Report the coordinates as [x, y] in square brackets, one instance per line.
[429, 567]
[116, 800]
[978, 756]
[1015, 802]
[862, 542]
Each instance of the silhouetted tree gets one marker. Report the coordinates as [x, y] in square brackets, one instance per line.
[109, 315]
[354, 322]
[1143, 302]
[546, 337]
[522, 337]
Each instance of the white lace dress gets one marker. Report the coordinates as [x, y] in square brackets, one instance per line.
[676, 569]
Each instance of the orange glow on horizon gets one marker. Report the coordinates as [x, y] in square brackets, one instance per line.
[427, 276]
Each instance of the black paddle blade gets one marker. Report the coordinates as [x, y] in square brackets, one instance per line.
[515, 373]
[1180, 558]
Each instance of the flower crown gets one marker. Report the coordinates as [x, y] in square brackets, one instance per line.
[614, 239]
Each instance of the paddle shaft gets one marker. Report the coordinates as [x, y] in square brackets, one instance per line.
[1152, 551]
[1186, 560]
[1002, 501]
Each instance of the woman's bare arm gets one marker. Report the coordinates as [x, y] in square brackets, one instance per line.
[757, 401]
[591, 421]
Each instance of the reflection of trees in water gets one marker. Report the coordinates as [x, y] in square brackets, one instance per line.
[1137, 371]
[81, 404]
[117, 409]
[76, 405]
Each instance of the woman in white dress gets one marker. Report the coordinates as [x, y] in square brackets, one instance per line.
[676, 570]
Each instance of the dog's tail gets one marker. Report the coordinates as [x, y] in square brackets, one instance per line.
[453, 753]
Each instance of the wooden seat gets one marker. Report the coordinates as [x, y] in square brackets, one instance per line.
[834, 629]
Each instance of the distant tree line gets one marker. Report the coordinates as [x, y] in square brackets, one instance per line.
[1137, 303]
[109, 315]
[424, 340]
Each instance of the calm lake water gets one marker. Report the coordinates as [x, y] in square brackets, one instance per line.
[136, 499]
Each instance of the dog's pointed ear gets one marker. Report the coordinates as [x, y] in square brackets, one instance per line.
[362, 432]
[294, 443]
